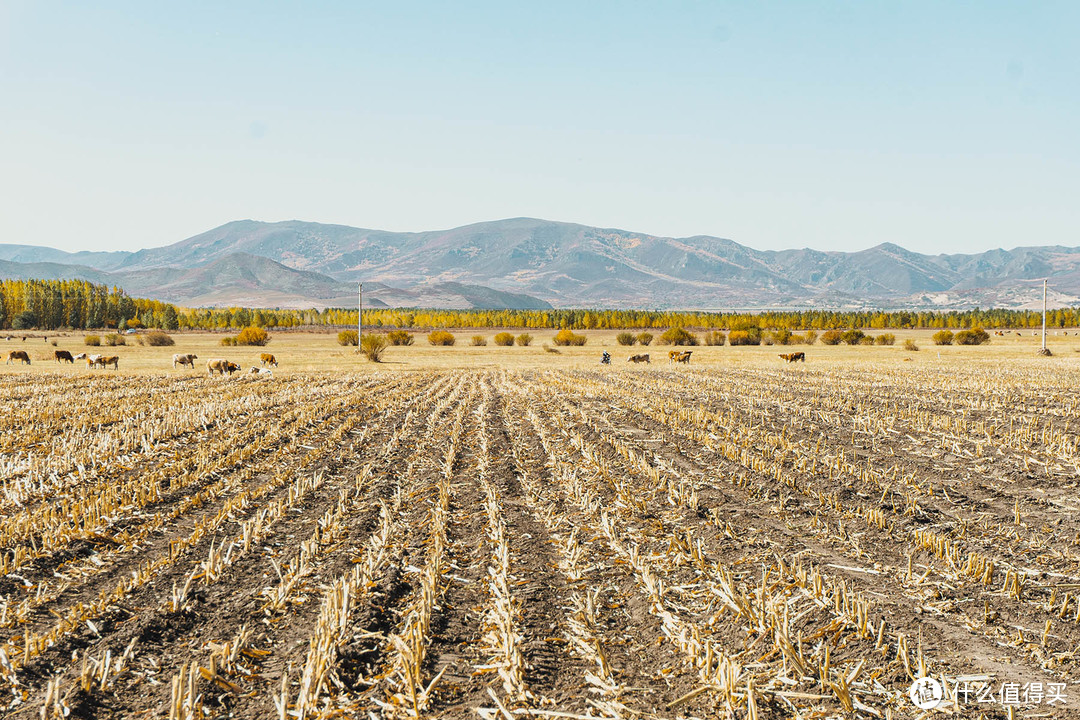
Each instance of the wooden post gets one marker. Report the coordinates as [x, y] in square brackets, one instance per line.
[359, 315]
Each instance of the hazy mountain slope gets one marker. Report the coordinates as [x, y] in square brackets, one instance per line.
[243, 279]
[300, 245]
[36, 254]
[53, 271]
[237, 278]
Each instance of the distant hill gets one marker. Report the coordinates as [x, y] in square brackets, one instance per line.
[241, 279]
[36, 254]
[529, 263]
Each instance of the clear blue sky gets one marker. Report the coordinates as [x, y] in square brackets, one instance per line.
[944, 127]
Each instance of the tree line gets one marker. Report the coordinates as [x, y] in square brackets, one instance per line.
[78, 304]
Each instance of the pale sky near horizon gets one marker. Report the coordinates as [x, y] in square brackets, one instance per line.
[943, 127]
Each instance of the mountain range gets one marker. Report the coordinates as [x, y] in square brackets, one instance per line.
[527, 263]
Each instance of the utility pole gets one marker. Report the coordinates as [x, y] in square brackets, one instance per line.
[360, 317]
[1044, 350]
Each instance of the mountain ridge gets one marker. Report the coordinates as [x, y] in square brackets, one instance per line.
[541, 263]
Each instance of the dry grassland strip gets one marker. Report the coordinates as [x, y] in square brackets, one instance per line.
[576, 543]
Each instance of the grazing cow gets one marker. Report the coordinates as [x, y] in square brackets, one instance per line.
[260, 371]
[679, 357]
[63, 355]
[793, 357]
[104, 362]
[18, 355]
[221, 366]
[638, 359]
[186, 359]
[268, 359]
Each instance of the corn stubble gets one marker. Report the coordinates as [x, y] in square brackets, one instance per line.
[754, 544]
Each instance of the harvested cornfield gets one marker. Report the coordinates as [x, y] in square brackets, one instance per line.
[796, 541]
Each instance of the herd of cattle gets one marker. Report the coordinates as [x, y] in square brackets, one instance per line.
[674, 356]
[218, 365]
[267, 360]
[683, 356]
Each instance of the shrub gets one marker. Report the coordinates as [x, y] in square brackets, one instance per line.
[156, 338]
[252, 335]
[742, 337]
[553, 351]
[853, 337]
[678, 336]
[92, 340]
[752, 330]
[504, 339]
[625, 338]
[909, 344]
[441, 337]
[943, 337]
[400, 337]
[345, 338]
[524, 340]
[810, 337]
[831, 337]
[866, 340]
[783, 336]
[567, 337]
[479, 340]
[974, 336]
[228, 341]
[885, 339]
[114, 339]
[372, 346]
[644, 338]
[53, 343]
[715, 337]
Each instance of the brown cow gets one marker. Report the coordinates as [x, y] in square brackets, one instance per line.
[268, 359]
[186, 359]
[679, 357]
[18, 355]
[793, 357]
[639, 359]
[222, 366]
[103, 361]
[63, 355]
